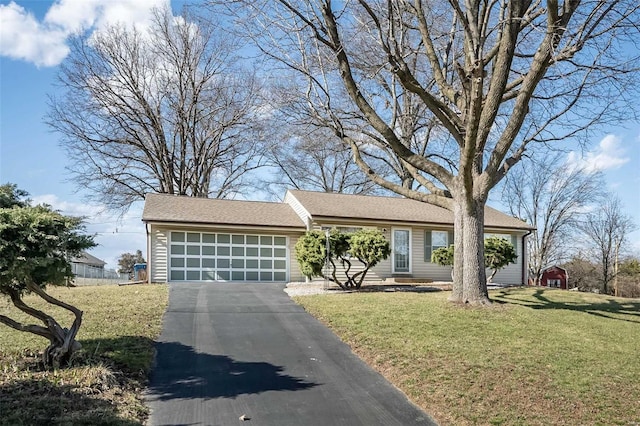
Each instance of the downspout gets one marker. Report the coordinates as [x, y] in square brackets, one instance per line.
[146, 228]
[525, 258]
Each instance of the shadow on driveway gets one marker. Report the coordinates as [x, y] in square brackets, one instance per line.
[189, 374]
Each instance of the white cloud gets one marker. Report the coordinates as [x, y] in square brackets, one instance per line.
[44, 43]
[608, 155]
[113, 234]
[22, 37]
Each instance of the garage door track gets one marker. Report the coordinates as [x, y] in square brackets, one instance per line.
[243, 353]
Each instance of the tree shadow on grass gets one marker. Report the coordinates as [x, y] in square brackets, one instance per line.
[609, 308]
[180, 372]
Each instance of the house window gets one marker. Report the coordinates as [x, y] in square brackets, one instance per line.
[401, 243]
[434, 240]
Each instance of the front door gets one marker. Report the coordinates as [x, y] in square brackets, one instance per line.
[401, 243]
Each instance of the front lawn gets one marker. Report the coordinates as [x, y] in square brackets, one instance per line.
[537, 357]
[105, 383]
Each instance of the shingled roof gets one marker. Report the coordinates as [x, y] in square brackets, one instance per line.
[392, 209]
[182, 209]
[320, 205]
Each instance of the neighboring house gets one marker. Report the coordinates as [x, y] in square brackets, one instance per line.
[555, 277]
[87, 266]
[200, 239]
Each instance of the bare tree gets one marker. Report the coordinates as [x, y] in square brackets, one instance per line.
[606, 230]
[313, 159]
[169, 109]
[551, 196]
[497, 77]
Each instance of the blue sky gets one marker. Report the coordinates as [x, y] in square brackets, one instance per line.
[33, 38]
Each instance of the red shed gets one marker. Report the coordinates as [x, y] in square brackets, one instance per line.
[555, 277]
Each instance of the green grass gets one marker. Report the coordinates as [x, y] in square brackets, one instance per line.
[536, 357]
[105, 382]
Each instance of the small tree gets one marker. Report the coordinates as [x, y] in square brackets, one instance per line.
[443, 257]
[368, 246]
[498, 253]
[35, 245]
[127, 260]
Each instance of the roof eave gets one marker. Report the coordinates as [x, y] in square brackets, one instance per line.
[301, 227]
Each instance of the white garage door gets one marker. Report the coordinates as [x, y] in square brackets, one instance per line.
[201, 256]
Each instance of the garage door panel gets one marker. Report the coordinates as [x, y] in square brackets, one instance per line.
[211, 256]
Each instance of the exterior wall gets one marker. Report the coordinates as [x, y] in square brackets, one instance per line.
[421, 265]
[159, 237]
[159, 254]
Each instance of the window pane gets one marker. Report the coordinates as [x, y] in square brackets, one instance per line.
[252, 239]
[252, 275]
[223, 251]
[192, 237]
[265, 276]
[177, 236]
[193, 262]
[208, 263]
[279, 241]
[252, 263]
[223, 275]
[265, 252]
[265, 264]
[237, 251]
[252, 251]
[223, 263]
[279, 276]
[209, 238]
[237, 239]
[208, 250]
[280, 264]
[177, 249]
[237, 276]
[237, 263]
[265, 240]
[439, 239]
[193, 250]
[208, 275]
[223, 238]
[193, 275]
[280, 252]
[177, 275]
[177, 262]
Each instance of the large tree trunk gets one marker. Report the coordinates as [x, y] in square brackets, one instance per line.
[470, 279]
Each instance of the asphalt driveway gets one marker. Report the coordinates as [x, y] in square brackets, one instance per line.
[232, 349]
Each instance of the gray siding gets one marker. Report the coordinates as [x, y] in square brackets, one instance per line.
[422, 267]
[159, 237]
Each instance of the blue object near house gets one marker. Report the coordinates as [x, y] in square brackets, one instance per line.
[140, 271]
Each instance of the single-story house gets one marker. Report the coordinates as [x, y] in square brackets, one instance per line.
[201, 239]
[555, 277]
[87, 265]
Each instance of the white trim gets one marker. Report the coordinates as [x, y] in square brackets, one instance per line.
[393, 250]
